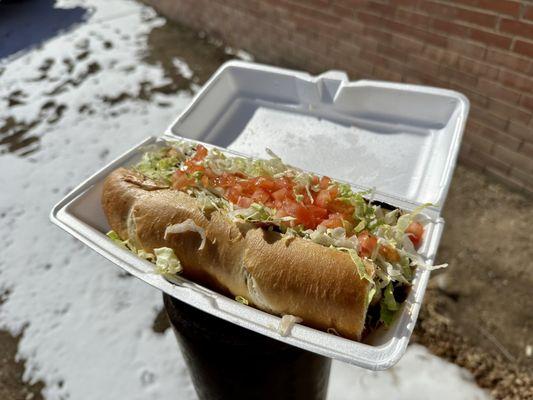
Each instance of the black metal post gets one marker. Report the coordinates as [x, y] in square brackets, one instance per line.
[229, 362]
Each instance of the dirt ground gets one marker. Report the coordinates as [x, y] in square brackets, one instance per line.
[12, 386]
[478, 313]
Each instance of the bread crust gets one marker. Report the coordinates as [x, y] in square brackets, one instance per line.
[318, 284]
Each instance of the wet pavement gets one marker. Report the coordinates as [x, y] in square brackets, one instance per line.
[96, 79]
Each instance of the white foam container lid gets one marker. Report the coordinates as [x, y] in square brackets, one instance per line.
[402, 140]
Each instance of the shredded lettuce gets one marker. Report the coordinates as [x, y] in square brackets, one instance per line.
[388, 305]
[388, 298]
[286, 323]
[370, 295]
[406, 219]
[385, 315]
[166, 261]
[258, 213]
[187, 226]
[116, 239]
[164, 258]
[242, 300]
[361, 269]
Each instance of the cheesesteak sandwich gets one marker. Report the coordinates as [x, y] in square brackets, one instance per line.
[276, 238]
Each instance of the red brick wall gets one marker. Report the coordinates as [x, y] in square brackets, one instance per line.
[482, 48]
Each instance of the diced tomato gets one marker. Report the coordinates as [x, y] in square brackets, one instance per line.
[225, 180]
[310, 215]
[281, 214]
[244, 202]
[290, 207]
[284, 182]
[192, 167]
[389, 253]
[210, 174]
[333, 221]
[309, 208]
[281, 194]
[325, 182]
[323, 198]
[367, 243]
[233, 193]
[303, 216]
[266, 184]
[415, 230]
[339, 206]
[261, 196]
[201, 152]
[318, 212]
[180, 180]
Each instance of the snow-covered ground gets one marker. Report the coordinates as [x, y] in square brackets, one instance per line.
[70, 106]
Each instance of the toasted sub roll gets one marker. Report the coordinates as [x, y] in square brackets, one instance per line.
[321, 285]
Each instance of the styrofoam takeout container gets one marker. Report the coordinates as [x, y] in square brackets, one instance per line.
[400, 139]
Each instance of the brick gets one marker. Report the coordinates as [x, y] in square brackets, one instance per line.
[386, 74]
[372, 58]
[489, 119]
[527, 149]
[505, 179]
[489, 160]
[513, 158]
[527, 102]
[397, 27]
[391, 52]
[442, 10]
[511, 8]
[501, 138]
[404, 3]
[368, 18]
[472, 125]
[377, 34]
[413, 18]
[474, 67]
[478, 142]
[520, 82]
[521, 131]
[528, 13]
[458, 76]
[451, 12]
[524, 177]
[464, 150]
[380, 8]
[508, 60]
[525, 48]
[428, 37]
[343, 10]
[477, 18]
[462, 46]
[351, 28]
[476, 99]
[496, 90]
[508, 111]
[491, 39]
[449, 27]
[313, 12]
[406, 43]
[517, 28]
[466, 159]
[423, 64]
